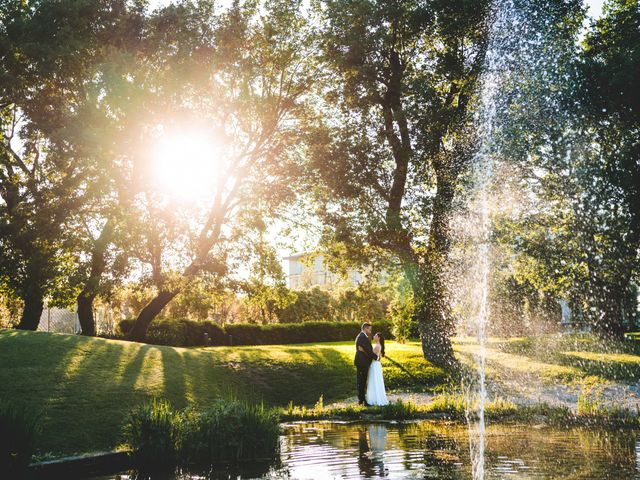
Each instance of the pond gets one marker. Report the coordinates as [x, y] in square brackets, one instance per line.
[438, 450]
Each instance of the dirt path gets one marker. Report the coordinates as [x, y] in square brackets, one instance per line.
[531, 390]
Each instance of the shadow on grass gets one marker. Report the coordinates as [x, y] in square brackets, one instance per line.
[610, 369]
[86, 387]
[586, 354]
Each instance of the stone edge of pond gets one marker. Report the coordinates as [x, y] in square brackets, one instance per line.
[97, 463]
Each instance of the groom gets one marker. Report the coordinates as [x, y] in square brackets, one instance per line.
[362, 361]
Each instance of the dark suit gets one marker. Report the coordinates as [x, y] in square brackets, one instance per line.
[362, 361]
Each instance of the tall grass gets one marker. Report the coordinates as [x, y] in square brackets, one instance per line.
[152, 432]
[18, 431]
[452, 406]
[593, 405]
[227, 431]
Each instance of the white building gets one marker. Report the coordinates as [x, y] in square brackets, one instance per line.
[308, 270]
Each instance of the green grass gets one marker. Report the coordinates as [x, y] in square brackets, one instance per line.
[633, 336]
[83, 388]
[566, 359]
[592, 411]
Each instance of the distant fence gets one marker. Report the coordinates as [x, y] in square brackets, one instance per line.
[62, 320]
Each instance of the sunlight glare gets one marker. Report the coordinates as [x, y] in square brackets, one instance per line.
[186, 163]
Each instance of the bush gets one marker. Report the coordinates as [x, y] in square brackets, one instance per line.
[162, 438]
[18, 429]
[179, 332]
[152, 432]
[187, 333]
[308, 332]
[229, 431]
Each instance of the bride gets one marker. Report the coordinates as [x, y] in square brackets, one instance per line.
[376, 394]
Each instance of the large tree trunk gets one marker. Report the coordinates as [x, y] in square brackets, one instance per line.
[608, 319]
[139, 330]
[433, 314]
[85, 313]
[31, 313]
[89, 292]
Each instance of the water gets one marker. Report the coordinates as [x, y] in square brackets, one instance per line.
[477, 225]
[439, 450]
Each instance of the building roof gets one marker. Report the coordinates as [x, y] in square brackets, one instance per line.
[296, 255]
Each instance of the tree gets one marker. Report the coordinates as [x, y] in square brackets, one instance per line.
[609, 101]
[249, 77]
[265, 289]
[393, 136]
[49, 50]
[108, 127]
[578, 238]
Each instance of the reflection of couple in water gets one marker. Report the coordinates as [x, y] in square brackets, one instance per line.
[372, 442]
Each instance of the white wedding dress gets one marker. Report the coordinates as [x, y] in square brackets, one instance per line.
[376, 394]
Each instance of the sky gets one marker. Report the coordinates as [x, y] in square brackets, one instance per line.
[595, 6]
[302, 243]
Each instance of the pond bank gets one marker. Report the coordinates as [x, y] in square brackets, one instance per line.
[428, 449]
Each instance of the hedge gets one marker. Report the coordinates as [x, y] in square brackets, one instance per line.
[179, 332]
[188, 333]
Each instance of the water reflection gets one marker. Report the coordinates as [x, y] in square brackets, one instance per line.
[438, 450]
[372, 444]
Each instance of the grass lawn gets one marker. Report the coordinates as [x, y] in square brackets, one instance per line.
[558, 359]
[566, 359]
[84, 387]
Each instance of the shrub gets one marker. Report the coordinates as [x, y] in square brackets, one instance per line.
[18, 430]
[307, 332]
[152, 432]
[229, 431]
[124, 326]
[179, 332]
[187, 333]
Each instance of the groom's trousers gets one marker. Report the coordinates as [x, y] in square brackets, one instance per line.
[361, 382]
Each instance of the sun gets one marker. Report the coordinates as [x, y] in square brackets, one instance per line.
[186, 162]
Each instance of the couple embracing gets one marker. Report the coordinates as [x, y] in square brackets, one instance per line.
[369, 369]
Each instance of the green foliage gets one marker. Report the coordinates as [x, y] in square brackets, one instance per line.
[265, 303]
[450, 406]
[401, 310]
[162, 437]
[19, 428]
[187, 333]
[229, 431]
[592, 405]
[309, 305]
[152, 432]
[308, 332]
[364, 302]
[179, 332]
[575, 234]
[368, 301]
[49, 173]
[10, 309]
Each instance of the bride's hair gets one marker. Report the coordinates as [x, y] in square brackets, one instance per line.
[381, 340]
